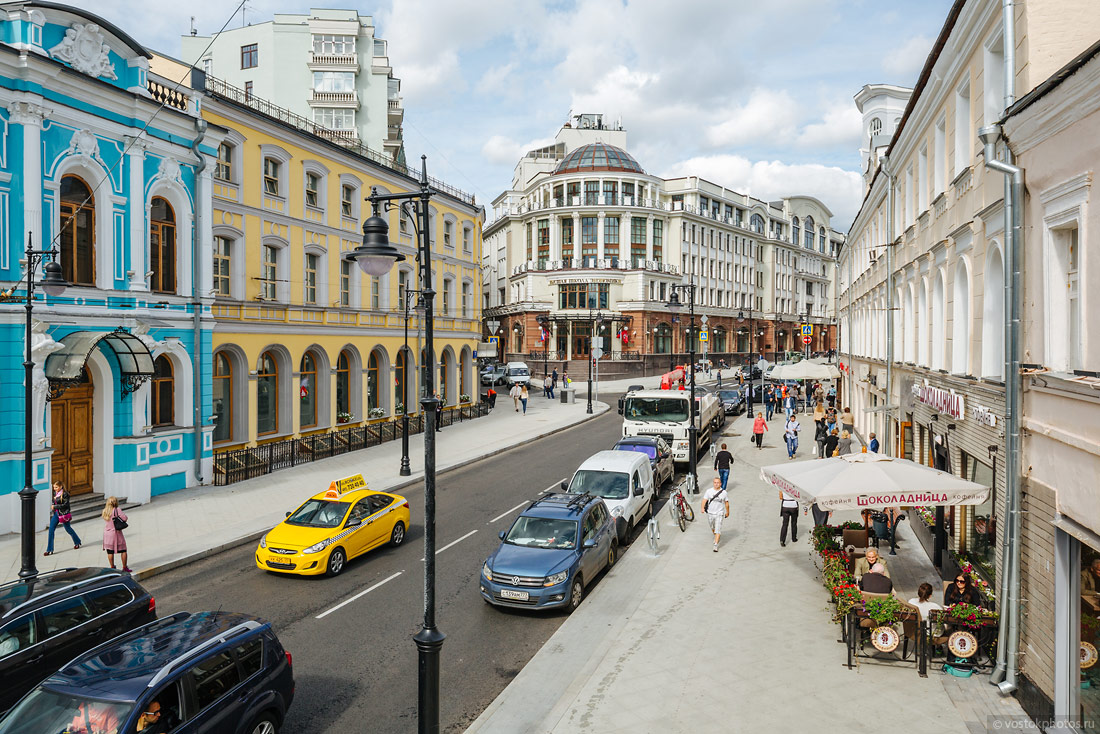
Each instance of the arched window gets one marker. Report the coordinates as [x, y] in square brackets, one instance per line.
[267, 395]
[663, 340]
[821, 239]
[875, 127]
[160, 413]
[938, 300]
[756, 223]
[808, 238]
[922, 325]
[719, 339]
[444, 371]
[400, 380]
[343, 388]
[517, 338]
[307, 394]
[77, 232]
[796, 231]
[223, 398]
[993, 318]
[372, 381]
[960, 322]
[162, 246]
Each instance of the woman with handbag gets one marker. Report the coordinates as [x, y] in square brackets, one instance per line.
[60, 514]
[114, 522]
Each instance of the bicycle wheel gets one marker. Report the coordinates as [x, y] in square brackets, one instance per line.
[678, 513]
[689, 513]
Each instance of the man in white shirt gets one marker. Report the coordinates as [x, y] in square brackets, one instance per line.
[788, 510]
[716, 506]
[790, 434]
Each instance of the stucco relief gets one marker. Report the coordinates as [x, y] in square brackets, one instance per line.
[169, 169]
[84, 142]
[84, 49]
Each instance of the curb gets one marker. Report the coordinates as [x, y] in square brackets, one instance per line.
[598, 409]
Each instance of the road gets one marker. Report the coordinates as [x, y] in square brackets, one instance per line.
[355, 665]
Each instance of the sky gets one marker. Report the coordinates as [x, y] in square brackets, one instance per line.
[750, 94]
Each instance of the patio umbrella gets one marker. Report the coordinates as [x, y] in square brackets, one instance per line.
[805, 370]
[870, 481]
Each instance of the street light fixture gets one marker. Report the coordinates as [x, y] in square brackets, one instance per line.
[674, 305]
[376, 256]
[53, 283]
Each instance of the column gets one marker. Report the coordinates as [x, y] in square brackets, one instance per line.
[29, 116]
[135, 159]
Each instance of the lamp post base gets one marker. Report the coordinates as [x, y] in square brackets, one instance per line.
[429, 641]
[26, 505]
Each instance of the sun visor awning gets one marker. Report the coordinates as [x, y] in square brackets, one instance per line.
[65, 367]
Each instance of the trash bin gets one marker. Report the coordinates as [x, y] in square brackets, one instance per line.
[568, 395]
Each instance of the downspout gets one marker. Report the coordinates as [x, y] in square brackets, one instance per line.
[196, 297]
[886, 168]
[1008, 651]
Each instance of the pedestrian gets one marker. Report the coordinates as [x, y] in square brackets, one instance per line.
[873, 445]
[60, 514]
[722, 461]
[821, 517]
[847, 420]
[553, 383]
[716, 506]
[114, 520]
[719, 379]
[545, 385]
[790, 403]
[790, 434]
[844, 445]
[565, 381]
[831, 396]
[438, 413]
[769, 401]
[788, 510]
[820, 434]
[523, 397]
[759, 425]
[831, 442]
[819, 413]
[491, 396]
[514, 393]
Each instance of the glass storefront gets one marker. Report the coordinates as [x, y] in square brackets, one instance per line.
[1088, 665]
[981, 531]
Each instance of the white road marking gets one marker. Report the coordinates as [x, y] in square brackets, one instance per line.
[361, 593]
[555, 486]
[454, 542]
[509, 512]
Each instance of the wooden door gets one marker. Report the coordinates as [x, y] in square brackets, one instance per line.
[71, 418]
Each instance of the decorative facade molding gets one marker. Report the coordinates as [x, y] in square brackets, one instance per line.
[84, 142]
[84, 49]
[169, 169]
[26, 113]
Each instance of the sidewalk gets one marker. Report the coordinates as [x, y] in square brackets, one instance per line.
[739, 640]
[193, 523]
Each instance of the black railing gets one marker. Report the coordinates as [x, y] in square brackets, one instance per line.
[256, 461]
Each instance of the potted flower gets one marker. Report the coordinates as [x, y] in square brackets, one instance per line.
[398, 409]
[343, 417]
[376, 412]
[967, 615]
[883, 611]
[463, 398]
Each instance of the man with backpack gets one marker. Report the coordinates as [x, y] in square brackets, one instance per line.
[716, 506]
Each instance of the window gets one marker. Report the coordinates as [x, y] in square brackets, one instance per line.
[347, 198]
[250, 657]
[583, 295]
[528, 231]
[375, 294]
[248, 90]
[77, 232]
[609, 192]
[372, 380]
[637, 241]
[17, 635]
[796, 230]
[345, 283]
[313, 183]
[611, 237]
[160, 411]
[963, 143]
[960, 322]
[1063, 264]
[875, 127]
[448, 296]
[994, 76]
[64, 615]
[223, 398]
[310, 277]
[544, 240]
[756, 223]
[402, 287]
[981, 541]
[444, 370]
[250, 56]
[213, 678]
[448, 230]
[658, 239]
[808, 236]
[267, 395]
[307, 394]
[467, 239]
[333, 81]
[591, 193]
[271, 176]
[922, 179]
[588, 240]
[939, 160]
[567, 239]
[343, 387]
[222, 251]
[465, 301]
[162, 246]
[333, 45]
[223, 170]
[270, 273]
[333, 118]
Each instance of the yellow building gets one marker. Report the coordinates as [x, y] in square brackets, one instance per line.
[305, 342]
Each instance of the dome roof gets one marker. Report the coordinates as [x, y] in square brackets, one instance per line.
[598, 157]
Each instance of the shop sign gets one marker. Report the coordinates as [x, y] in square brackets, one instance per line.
[943, 401]
[885, 639]
[984, 416]
[962, 644]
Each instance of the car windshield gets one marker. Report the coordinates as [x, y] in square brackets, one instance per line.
[319, 514]
[656, 409]
[607, 484]
[728, 394]
[543, 532]
[518, 371]
[47, 712]
[650, 451]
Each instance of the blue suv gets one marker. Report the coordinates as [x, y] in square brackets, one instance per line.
[555, 548]
[208, 672]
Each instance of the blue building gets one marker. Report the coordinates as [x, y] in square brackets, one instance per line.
[110, 166]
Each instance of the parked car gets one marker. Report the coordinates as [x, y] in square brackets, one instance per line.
[48, 619]
[733, 401]
[516, 373]
[625, 482]
[659, 453]
[554, 549]
[210, 673]
[496, 375]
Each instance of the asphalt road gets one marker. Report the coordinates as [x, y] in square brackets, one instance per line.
[356, 666]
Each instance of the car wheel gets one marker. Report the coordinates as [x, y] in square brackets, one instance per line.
[397, 537]
[576, 594]
[263, 724]
[612, 554]
[336, 561]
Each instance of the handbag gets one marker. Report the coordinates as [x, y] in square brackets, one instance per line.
[67, 517]
[120, 524]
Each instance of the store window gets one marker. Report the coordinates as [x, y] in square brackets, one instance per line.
[583, 295]
[981, 531]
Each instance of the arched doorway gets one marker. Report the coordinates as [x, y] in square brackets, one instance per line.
[71, 424]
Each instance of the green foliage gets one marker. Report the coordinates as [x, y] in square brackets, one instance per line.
[886, 610]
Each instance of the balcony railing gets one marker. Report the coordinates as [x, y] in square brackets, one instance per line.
[167, 93]
[317, 59]
[343, 98]
[592, 263]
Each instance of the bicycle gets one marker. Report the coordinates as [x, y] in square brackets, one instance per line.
[680, 508]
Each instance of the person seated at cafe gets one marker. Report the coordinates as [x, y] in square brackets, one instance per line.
[1090, 579]
[863, 565]
[923, 600]
[875, 581]
[962, 591]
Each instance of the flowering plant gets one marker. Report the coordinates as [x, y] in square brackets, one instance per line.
[983, 588]
[927, 515]
[343, 417]
[968, 615]
[376, 412]
[847, 596]
[883, 611]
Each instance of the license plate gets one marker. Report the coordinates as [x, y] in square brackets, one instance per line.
[517, 595]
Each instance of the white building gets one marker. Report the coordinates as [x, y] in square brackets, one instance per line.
[327, 67]
[882, 106]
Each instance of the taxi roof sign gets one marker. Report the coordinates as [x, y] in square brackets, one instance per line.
[347, 484]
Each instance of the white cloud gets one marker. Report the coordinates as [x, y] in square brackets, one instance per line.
[905, 62]
[502, 150]
[495, 81]
[767, 116]
[840, 126]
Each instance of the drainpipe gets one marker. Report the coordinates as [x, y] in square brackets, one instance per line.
[196, 296]
[887, 169]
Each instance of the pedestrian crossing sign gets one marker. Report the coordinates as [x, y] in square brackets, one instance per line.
[494, 341]
[704, 335]
[807, 329]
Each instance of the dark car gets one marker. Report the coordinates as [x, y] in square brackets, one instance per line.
[659, 453]
[48, 619]
[209, 672]
[733, 401]
[554, 549]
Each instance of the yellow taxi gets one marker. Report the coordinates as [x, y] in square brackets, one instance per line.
[332, 527]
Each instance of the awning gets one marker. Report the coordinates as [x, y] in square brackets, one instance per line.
[65, 367]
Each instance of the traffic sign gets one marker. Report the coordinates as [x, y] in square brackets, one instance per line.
[807, 330]
[597, 352]
[807, 339]
[704, 335]
[493, 325]
[494, 341]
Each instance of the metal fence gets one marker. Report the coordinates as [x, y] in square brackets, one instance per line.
[256, 461]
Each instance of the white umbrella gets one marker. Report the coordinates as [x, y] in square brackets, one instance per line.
[859, 481]
[805, 371]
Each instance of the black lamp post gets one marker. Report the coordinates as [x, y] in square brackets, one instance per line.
[376, 256]
[597, 320]
[54, 284]
[544, 324]
[419, 308]
[674, 305]
[752, 353]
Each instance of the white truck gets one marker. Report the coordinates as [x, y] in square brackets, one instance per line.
[665, 413]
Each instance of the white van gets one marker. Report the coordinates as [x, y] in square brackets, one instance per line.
[516, 373]
[624, 479]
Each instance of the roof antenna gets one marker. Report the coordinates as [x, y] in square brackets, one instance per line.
[194, 31]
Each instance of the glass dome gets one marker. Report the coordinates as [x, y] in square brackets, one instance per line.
[598, 157]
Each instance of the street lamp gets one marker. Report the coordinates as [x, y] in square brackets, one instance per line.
[544, 324]
[752, 354]
[53, 283]
[674, 305]
[419, 309]
[376, 256]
